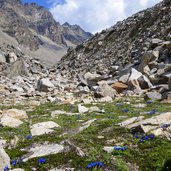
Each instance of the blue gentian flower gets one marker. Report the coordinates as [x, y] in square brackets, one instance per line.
[100, 164]
[41, 160]
[94, 164]
[29, 137]
[78, 116]
[89, 166]
[124, 148]
[14, 163]
[136, 136]
[117, 148]
[141, 140]
[164, 126]
[125, 110]
[148, 102]
[152, 112]
[6, 168]
[151, 136]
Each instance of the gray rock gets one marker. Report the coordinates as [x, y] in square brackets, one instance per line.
[44, 85]
[153, 96]
[156, 41]
[2, 57]
[124, 75]
[43, 150]
[146, 58]
[105, 90]
[17, 68]
[144, 82]
[92, 77]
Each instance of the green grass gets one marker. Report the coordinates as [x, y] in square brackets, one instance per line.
[148, 156]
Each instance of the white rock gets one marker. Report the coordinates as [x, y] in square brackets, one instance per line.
[131, 120]
[108, 149]
[140, 105]
[15, 113]
[86, 125]
[10, 122]
[57, 112]
[82, 109]
[4, 159]
[40, 131]
[87, 101]
[134, 74]
[94, 109]
[2, 143]
[106, 99]
[44, 150]
[43, 128]
[152, 123]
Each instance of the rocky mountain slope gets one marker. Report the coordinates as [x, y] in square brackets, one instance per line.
[122, 44]
[34, 28]
[106, 107]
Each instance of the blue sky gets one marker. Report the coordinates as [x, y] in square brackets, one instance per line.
[93, 15]
[45, 3]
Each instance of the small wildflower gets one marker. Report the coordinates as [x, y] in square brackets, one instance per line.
[136, 136]
[6, 168]
[144, 137]
[29, 137]
[125, 110]
[118, 148]
[151, 136]
[78, 116]
[14, 163]
[95, 164]
[41, 160]
[152, 112]
[149, 102]
[141, 141]
[164, 126]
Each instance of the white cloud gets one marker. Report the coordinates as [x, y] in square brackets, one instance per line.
[95, 15]
[144, 3]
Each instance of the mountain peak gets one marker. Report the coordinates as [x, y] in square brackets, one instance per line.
[31, 22]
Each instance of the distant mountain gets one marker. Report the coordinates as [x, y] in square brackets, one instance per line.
[34, 27]
[74, 33]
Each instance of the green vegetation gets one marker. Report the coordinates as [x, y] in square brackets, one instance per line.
[147, 156]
